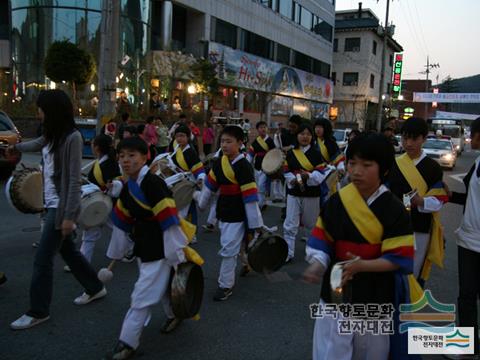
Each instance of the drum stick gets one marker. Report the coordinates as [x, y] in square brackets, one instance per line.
[88, 165]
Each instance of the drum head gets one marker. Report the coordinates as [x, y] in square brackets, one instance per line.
[187, 290]
[24, 191]
[273, 161]
[183, 193]
[95, 209]
[268, 254]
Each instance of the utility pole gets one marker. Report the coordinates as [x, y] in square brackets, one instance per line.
[107, 70]
[382, 71]
[427, 88]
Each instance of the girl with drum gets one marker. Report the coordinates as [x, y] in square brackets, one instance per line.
[61, 147]
[304, 171]
[104, 170]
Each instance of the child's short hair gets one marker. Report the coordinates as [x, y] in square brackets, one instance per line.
[234, 131]
[475, 127]
[183, 129]
[414, 127]
[305, 125]
[133, 144]
[327, 127]
[260, 123]
[103, 142]
[374, 147]
[296, 119]
[141, 128]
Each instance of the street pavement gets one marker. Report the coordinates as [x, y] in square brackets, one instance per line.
[266, 317]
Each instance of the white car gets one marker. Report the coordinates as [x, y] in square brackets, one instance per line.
[341, 137]
[442, 151]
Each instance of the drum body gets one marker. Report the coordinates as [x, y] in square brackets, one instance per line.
[161, 166]
[182, 189]
[272, 163]
[331, 181]
[95, 207]
[24, 191]
[187, 290]
[268, 253]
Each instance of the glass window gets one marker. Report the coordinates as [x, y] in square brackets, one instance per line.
[303, 62]
[226, 33]
[306, 19]
[296, 13]
[256, 44]
[372, 81]
[335, 45]
[324, 29]
[352, 44]
[350, 79]
[285, 8]
[334, 78]
[283, 54]
[390, 61]
[374, 48]
[4, 20]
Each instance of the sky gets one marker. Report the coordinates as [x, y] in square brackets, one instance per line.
[447, 31]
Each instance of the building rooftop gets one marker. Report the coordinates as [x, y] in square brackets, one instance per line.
[363, 23]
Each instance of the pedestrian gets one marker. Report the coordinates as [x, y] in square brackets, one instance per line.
[146, 210]
[61, 147]
[232, 178]
[327, 144]
[152, 151]
[150, 132]
[104, 170]
[468, 243]
[304, 172]
[162, 135]
[367, 226]
[195, 134]
[125, 122]
[415, 171]
[208, 137]
[256, 152]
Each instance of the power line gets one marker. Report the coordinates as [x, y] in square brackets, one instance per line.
[412, 32]
[420, 26]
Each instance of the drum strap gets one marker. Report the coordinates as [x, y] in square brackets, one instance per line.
[303, 160]
[323, 149]
[262, 143]
[181, 160]
[97, 173]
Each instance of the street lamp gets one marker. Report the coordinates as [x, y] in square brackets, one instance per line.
[191, 89]
[400, 97]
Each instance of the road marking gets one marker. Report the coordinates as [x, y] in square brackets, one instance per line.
[458, 177]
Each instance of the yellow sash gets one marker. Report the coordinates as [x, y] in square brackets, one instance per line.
[181, 159]
[228, 170]
[262, 143]
[436, 252]
[370, 228]
[323, 149]
[362, 217]
[97, 173]
[303, 160]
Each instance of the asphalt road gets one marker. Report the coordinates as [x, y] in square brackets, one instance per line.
[266, 318]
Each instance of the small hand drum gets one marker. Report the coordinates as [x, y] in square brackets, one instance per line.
[268, 253]
[24, 191]
[187, 290]
[95, 207]
[272, 163]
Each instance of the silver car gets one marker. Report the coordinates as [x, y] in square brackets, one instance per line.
[442, 151]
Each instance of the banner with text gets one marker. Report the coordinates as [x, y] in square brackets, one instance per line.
[240, 69]
[446, 97]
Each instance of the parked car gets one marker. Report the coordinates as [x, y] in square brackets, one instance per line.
[341, 137]
[441, 150]
[9, 135]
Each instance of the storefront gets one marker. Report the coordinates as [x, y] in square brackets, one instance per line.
[254, 85]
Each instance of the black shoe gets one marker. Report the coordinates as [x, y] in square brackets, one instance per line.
[208, 227]
[36, 244]
[222, 294]
[120, 352]
[3, 278]
[245, 270]
[170, 325]
[264, 207]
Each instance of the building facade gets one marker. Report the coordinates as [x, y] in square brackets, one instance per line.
[272, 56]
[356, 71]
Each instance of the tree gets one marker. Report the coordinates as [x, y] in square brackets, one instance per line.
[205, 77]
[65, 61]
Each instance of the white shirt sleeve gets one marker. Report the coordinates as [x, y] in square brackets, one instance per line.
[430, 204]
[289, 177]
[315, 178]
[203, 199]
[174, 240]
[320, 256]
[254, 216]
[341, 166]
[117, 186]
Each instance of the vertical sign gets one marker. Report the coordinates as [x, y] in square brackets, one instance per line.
[435, 104]
[397, 75]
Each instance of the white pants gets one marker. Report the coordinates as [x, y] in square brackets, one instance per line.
[328, 344]
[261, 180]
[422, 241]
[305, 208]
[212, 211]
[277, 190]
[120, 244]
[150, 288]
[231, 237]
[90, 237]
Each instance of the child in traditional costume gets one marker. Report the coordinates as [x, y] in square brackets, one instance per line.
[366, 223]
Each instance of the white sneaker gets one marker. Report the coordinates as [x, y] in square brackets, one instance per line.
[194, 240]
[26, 322]
[66, 268]
[84, 299]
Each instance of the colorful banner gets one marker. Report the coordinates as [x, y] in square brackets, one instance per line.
[446, 97]
[239, 69]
